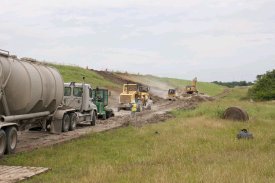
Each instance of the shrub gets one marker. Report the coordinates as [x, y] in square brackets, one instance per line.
[264, 88]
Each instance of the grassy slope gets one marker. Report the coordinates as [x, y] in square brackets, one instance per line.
[74, 73]
[166, 83]
[196, 146]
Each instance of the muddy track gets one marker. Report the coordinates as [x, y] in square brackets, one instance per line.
[225, 92]
[30, 140]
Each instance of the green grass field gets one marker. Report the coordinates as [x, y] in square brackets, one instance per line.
[195, 146]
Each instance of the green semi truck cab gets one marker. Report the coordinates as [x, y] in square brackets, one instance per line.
[101, 100]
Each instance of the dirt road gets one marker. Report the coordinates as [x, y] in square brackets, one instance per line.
[30, 140]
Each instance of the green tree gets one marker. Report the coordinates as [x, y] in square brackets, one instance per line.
[264, 88]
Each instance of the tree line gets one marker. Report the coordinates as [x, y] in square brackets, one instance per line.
[233, 83]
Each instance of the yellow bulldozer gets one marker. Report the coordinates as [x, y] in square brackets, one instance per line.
[133, 93]
[172, 94]
[193, 88]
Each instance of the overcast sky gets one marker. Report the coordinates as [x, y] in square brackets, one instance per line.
[214, 40]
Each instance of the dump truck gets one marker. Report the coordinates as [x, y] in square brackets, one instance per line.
[32, 95]
[131, 94]
[193, 88]
[101, 99]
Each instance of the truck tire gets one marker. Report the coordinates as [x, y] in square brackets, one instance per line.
[104, 116]
[108, 115]
[11, 140]
[73, 121]
[93, 121]
[65, 123]
[3, 142]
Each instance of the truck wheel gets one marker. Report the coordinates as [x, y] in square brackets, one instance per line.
[65, 123]
[73, 120]
[108, 115]
[3, 142]
[93, 118]
[11, 134]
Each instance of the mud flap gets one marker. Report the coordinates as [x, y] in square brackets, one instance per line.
[56, 126]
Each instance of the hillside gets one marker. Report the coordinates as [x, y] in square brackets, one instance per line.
[76, 74]
[114, 80]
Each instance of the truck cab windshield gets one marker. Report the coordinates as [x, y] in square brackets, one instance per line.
[130, 88]
[77, 92]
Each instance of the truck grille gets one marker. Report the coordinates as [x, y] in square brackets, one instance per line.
[125, 99]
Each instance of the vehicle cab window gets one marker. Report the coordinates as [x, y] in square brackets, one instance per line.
[91, 93]
[77, 92]
[67, 91]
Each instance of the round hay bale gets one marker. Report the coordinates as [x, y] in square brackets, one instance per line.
[235, 114]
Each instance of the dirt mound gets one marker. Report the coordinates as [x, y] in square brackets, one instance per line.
[195, 98]
[156, 118]
[114, 77]
[235, 114]
[201, 98]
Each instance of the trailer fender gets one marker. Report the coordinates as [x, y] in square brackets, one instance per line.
[4, 125]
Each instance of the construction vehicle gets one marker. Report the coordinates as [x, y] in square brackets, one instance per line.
[131, 94]
[100, 98]
[171, 94]
[193, 88]
[31, 96]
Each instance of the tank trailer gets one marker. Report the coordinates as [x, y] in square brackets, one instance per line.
[34, 95]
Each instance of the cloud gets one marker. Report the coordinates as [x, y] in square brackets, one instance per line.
[169, 38]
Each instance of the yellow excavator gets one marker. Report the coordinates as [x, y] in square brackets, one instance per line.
[193, 88]
[131, 94]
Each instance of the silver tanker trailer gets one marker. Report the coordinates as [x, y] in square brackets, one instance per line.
[32, 95]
